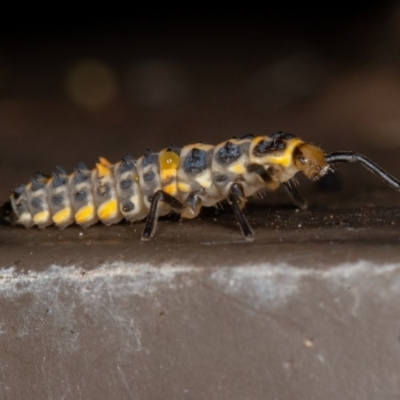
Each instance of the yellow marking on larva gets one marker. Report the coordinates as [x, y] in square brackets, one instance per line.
[237, 169]
[169, 160]
[108, 210]
[171, 189]
[41, 217]
[84, 214]
[183, 187]
[102, 170]
[167, 174]
[105, 162]
[285, 160]
[169, 163]
[62, 216]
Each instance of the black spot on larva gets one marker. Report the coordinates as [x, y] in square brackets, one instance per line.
[128, 157]
[80, 196]
[174, 148]
[282, 135]
[57, 180]
[128, 206]
[125, 184]
[79, 176]
[36, 185]
[148, 176]
[229, 153]
[81, 165]
[149, 158]
[196, 161]
[102, 190]
[265, 147]
[18, 191]
[248, 136]
[220, 178]
[61, 170]
[127, 164]
[36, 202]
[57, 199]
[40, 176]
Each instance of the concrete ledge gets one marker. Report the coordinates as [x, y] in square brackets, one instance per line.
[208, 326]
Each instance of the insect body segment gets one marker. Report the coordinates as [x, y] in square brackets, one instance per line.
[180, 180]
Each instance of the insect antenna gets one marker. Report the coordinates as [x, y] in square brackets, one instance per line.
[349, 156]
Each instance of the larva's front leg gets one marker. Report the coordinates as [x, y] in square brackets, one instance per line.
[297, 199]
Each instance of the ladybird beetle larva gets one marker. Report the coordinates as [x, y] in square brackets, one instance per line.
[181, 180]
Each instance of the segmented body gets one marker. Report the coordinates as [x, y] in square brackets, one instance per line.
[197, 175]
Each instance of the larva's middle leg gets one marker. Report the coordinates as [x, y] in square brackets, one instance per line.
[151, 220]
[237, 201]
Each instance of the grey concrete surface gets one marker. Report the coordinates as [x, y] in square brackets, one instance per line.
[308, 310]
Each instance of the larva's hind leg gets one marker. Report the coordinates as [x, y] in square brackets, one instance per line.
[192, 206]
[152, 218]
[297, 199]
[237, 199]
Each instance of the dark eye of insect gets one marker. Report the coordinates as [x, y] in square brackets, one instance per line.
[229, 153]
[125, 184]
[264, 147]
[79, 196]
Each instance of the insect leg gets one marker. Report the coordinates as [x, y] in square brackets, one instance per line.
[349, 156]
[7, 215]
[193, 203]
[295, 196]
[261, 171]
[236, 199]
[297, 199]
[151, 220]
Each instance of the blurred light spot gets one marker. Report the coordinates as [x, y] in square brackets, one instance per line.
[287, 80]
[156, 83]
[91, 84]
